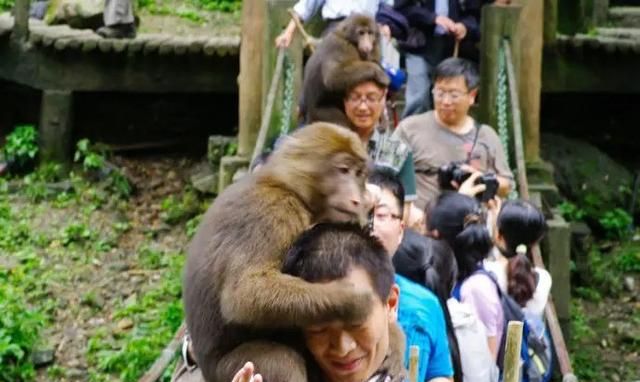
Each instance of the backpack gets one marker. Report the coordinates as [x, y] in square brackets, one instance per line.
[535, 352]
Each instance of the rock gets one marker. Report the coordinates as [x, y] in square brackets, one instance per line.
[586, 175]
[76, 374]
[629, 283]
[615, 377]
[124, 324]
[119, 266]
[7, 262]
[41, 358]
[77, 13]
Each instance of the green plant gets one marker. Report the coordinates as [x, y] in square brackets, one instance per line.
[157, 315]
[176, 210]
[219, 5]
[6, 5]
[570, 211]
[21, 147]
[19, 330]
[76, 233]
[91, 160]
[628, 260]
[616, 223]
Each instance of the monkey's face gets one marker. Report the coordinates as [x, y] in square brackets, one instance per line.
[344, 189]
[363, 33]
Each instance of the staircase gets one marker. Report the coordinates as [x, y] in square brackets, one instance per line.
[617, 29]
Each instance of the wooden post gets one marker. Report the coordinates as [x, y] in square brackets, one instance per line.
[600, 11]
[250, 78]
[557, 244]
[528, 43]
[512, 351]
[498, 21]
[414, 363]
[550, 21]
[21, 26]
[56, 114]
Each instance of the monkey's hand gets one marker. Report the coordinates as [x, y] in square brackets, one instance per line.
[267, 298]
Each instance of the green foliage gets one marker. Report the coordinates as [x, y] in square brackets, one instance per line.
[20, 324]
[192, 225]
[571, 212]
[6, 5]
[21, 147]
[157, 315]
[76, 233]
[219, 5]
[94, 162]
[584, 360]
[616, 223]
[91, 159]
[628, 260]
[176, 210]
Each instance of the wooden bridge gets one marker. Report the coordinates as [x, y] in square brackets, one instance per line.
[59, 61]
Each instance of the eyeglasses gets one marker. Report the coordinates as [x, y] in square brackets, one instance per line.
[454, 95]
[368, 99]
[385, 216]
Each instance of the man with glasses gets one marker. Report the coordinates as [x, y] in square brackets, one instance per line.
[448, 134]
[365, 106]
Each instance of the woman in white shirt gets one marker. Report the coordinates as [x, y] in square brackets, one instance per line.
[519, 226]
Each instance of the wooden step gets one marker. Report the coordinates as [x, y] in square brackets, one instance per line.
[626, 17]
[620, 33]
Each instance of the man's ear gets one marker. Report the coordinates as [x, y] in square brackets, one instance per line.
[434, 233]
[473, 94]
[392, 303]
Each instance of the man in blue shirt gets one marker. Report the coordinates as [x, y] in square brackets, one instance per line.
[420, 313]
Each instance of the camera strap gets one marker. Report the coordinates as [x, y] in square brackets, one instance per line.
[475, 140]
[434, 170]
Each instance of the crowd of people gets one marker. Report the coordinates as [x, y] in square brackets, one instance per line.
[444, 249]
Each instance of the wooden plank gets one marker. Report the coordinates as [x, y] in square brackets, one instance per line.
[72, 42]
[512, 351]
[167, 46]
[105, 45]
[181, 45]
[197, 44]
[154, 44]
[136, 45]
[89, 43]
[120, 45]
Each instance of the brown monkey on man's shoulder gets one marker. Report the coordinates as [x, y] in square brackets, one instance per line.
[348, 55]
[234, 292]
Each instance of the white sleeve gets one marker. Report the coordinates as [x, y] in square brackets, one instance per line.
[539, 300]
[305, 9]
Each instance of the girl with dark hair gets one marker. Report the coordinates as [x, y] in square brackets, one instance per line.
[458, 219]
[519, 226]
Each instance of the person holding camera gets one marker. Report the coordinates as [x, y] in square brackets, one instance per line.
[447, 138]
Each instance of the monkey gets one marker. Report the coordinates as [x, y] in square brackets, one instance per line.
[348, 55]
[236, 298]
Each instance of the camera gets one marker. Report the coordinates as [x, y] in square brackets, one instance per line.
[454, 172]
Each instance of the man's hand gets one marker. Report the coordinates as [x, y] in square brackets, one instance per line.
[284, 39]
[468, 187]
[385, 31]
[246, 374]
[459, 31]
[446, 23]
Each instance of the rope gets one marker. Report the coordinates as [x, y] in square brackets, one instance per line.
[268, 110]
[287, 96]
